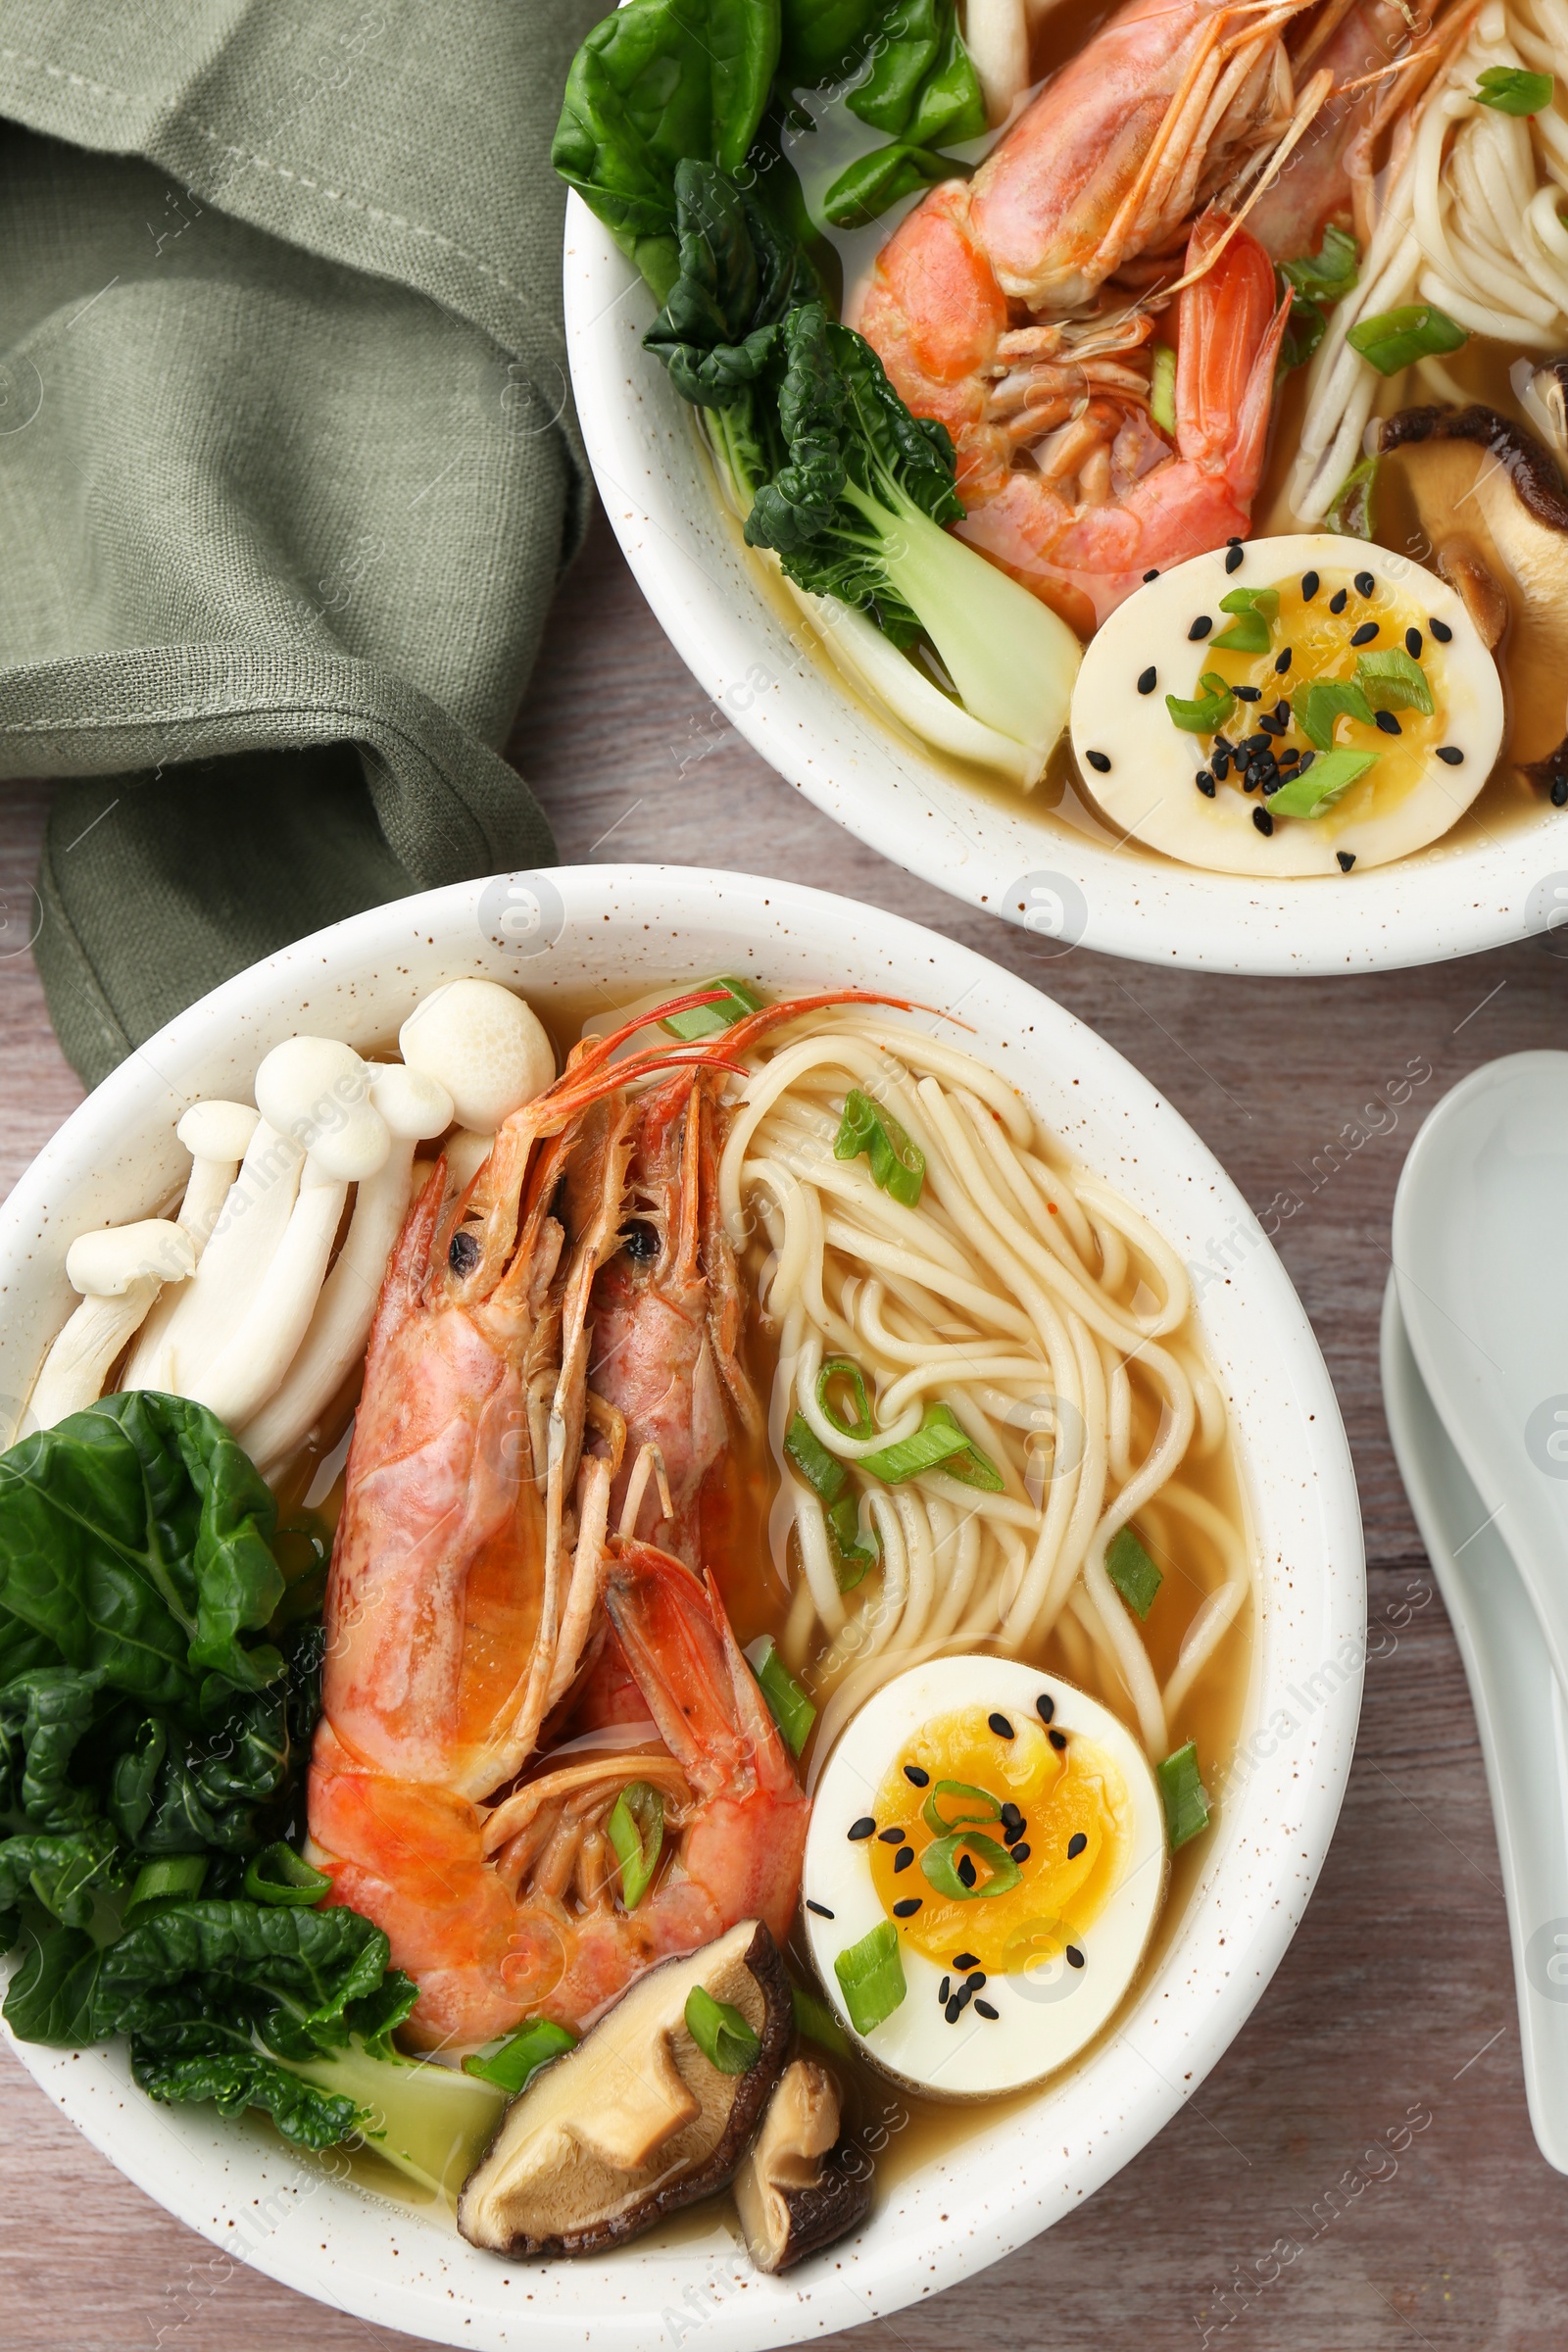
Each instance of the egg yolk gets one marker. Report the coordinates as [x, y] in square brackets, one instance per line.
[1319, 642]
[1064, 1813]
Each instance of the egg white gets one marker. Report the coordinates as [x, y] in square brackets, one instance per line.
[1047, 2016]
[1149, 791]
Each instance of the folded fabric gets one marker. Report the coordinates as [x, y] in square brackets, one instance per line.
[287, 466]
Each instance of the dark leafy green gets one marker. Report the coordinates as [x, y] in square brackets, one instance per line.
[921, 86]
[659, 82]
[738, 274]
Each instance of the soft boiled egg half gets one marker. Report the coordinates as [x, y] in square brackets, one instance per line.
[1309, 704]
[986, 1861]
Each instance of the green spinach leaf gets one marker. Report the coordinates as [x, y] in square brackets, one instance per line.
[657, 82]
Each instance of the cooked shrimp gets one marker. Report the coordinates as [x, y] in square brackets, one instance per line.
[1020, 308]
[467, 1594]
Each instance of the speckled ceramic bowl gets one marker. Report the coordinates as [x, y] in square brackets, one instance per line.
[750, 649]
[617, 932]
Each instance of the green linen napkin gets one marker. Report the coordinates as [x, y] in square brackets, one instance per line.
[287, 466]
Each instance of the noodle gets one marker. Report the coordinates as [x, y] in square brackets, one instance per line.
[1034, 1305]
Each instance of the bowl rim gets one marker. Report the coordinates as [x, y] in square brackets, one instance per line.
[238, 2185]
[775, 684]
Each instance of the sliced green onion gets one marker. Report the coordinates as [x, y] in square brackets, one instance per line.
[1396, 339]
[787, 1703]
[944, 1826]
[1133, 1573]
[636, 1830]
[938, 1443]
[823, 1471]
[1351, 511]
[897, 1164]
[940, 1869]
[1249, 632]
[855, 1560]
[1186, 1799]
[1329, 274]
[721, 2032]
[1211, 710]
[173, 1877]
[1318, 705]
[1395, 681]
[840, 1367]
[281, 1875]
[870, 1976]
[514, 2065]
[1314, 794]
[817, 2020]
[1162, 389]
[1513, 91]
[707, 1020]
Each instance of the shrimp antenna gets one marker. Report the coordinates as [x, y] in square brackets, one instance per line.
[1312, 98]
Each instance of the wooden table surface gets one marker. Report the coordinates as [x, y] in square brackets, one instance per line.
[1392, 2015]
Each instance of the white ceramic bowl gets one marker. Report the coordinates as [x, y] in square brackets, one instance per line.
[750, 649]
[619, 931]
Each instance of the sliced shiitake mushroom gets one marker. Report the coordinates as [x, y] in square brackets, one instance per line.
[799, 2188]
[1489, 499]
[636, 2121]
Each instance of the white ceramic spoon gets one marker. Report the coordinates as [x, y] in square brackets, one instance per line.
[1523, 1719]
[1480, 1223]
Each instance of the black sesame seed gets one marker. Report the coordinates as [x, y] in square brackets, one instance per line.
[1272, 724]
[821, 1909]
[1336, 604]
[1235, 539]
[1058, 1740]
[1247, 694]
[1149, 679]
[1200, 628]
[1011, 1819]
[915, 1777]
[1098, 762]
[1075, 1846]
[1282, 711]
[1232, 561]
[1365, 584]
[984, 2009]
[1222, 766]
[965, 1960]
[1020, 1853]
[1450, 753]
[865, 1827]
[1282, 659]
[973, 1982]
[943, 1989]
[1206, 784]
[1075, 1958]
[1223, 743]
[1001, 1725]
[1347, 858]
[1151, 575]
[1045, 1706]
[1305, 762]
[953, 2010]
[902, 1858]
[1385, 722]
[1365, 633]
[1309, 586]
[966, 1870]
[1439, 630]
[907, 1908]
[963, 1996]
[1412, 644]
[1262, 820]
[1251, 781]
[1273, 784]
[1559, 791]
[889, 1837]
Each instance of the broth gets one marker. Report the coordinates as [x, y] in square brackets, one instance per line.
[897, 2128]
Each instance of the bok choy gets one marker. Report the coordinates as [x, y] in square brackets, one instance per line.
[826, 464]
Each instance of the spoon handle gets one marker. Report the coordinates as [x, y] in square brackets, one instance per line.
[1521, 1713]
